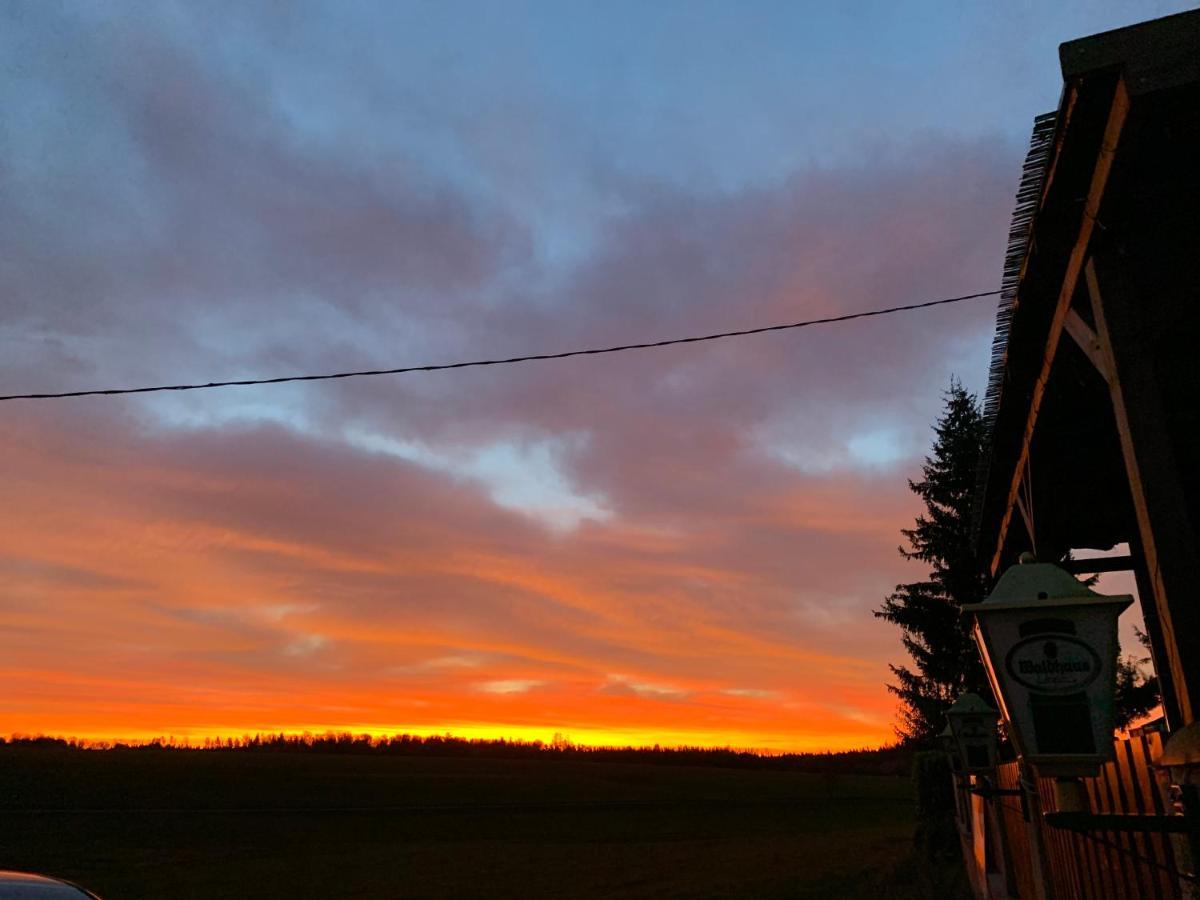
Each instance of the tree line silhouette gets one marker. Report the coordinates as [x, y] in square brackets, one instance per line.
[888, 760]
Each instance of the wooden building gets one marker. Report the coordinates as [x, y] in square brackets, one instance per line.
[1094, 399]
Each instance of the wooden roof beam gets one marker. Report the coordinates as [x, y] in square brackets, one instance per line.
[1083, 335]
[1117, 114]
[1170, 559]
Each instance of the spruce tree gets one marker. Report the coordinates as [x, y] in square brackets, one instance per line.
[1137, 693]
[945, 661]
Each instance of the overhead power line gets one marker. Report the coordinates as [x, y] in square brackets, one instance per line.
[594, 351]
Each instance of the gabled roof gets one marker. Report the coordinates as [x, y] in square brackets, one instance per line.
[1146, 78]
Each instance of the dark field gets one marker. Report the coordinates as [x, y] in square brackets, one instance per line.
[163, 824]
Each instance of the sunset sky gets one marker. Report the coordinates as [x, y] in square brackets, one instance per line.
[674, 546]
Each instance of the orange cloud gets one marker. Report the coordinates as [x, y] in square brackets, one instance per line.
[130, 614]
[679, 546]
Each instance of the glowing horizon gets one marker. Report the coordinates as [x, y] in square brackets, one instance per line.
[585, 738]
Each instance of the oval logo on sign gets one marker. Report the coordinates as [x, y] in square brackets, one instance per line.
[1053, 664]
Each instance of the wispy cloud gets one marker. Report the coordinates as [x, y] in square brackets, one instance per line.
[510, 686]
[684, 542]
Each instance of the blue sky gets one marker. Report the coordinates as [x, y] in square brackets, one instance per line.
[196, 191]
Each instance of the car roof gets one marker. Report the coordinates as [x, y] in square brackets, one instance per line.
[21, 885]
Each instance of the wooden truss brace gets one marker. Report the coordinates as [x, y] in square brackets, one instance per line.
[1118, 112]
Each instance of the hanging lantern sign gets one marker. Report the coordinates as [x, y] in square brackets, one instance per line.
[1049, 645]
[973, 725]
[945, 741]
[1181, 757]
[949, 746]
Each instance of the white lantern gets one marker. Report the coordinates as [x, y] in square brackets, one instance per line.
[1181, 756]
[973, 724]
[1049, 645]
[949, 746]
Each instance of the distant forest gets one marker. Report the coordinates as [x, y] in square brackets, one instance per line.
[891, 760]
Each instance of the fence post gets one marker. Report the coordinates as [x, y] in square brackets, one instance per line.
[1006, 867]
[1033, 825]
[979, 840]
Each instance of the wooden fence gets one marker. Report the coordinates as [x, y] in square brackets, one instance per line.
[1011, 852]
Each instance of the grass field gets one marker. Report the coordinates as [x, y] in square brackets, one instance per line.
[163, 824]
